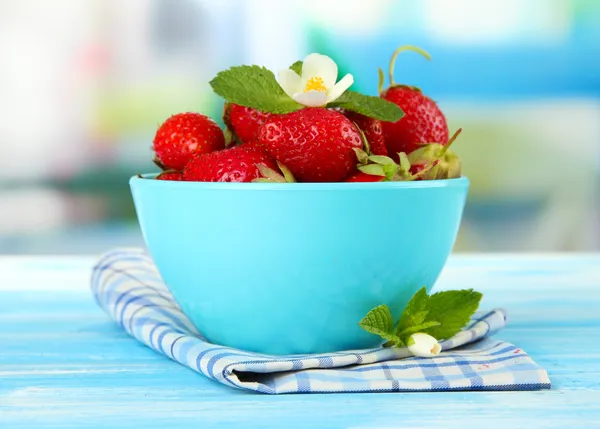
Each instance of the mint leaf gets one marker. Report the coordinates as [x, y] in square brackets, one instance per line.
[297, 67]
[393, 341]
[407, 332]
[415, 311]
[368, 105]
[453, 310]
[379, 321]
[255, 87]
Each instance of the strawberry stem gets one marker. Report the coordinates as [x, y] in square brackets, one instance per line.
[363, 137]
[447, 145]
[381, 80]
[425, 169]
[402, 49]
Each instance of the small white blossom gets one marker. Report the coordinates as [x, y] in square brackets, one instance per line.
[423, 345]
[317, 85]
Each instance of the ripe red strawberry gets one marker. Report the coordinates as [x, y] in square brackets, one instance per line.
[244, 122]
[170, 175]
[423, 121]
[364, 177]
[316, 144]
[237, 164]
[184, 135]
[373, 130]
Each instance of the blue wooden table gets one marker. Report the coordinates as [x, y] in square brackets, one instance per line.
[65, 364]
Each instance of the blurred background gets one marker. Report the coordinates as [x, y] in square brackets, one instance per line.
[85, 83]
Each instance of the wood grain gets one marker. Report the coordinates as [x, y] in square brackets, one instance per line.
[64, 364]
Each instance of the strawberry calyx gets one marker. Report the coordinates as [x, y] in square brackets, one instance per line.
[272, 176]
[364, 139]
[447, 163]
[384, 166]
[159, 164]
[231, 139]
[170, 174]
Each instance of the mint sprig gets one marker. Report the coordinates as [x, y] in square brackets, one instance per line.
[255, 87]
[373, 107]
[441, 315]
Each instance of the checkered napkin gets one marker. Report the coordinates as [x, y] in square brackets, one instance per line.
[128, 287]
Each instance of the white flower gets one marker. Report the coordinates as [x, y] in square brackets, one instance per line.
[316, 87]
[423, 345]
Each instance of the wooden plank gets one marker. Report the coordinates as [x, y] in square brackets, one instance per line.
[64, 364]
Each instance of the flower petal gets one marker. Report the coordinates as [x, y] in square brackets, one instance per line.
[339, 88]
[289, 81]
[321, 66]
[311, 98]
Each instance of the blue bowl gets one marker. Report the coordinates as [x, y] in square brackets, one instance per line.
[292, 268]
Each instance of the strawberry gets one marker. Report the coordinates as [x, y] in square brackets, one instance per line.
[423, 121]
[373, 130]
[447, 163]
[170, 175]
[364, 177]
[243, 122]
[237, 164]
[315, 143]
[184, 135]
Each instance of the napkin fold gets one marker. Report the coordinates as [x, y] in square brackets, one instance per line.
[127, 285]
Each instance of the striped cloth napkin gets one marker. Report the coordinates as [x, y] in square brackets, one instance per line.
[126, 284]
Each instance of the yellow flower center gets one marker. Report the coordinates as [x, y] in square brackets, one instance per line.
[315, 84]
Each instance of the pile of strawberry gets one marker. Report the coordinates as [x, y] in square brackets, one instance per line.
[401, 135]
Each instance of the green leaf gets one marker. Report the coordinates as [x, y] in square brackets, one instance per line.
[379, 321]
[381, 159]
[417, 328]
[374, 169]
[404, 162]
[394, 342]
[390, 170]
[364, 139]
[453, 310]
[368, 105]
[361, 156]
[287, 174]
[270, 174]
[255, 87]
[230, 138]
[415, 311]
[297, 67]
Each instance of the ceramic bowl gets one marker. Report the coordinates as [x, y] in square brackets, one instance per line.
[292, 268]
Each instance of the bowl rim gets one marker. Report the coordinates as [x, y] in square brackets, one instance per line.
[138, 180]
